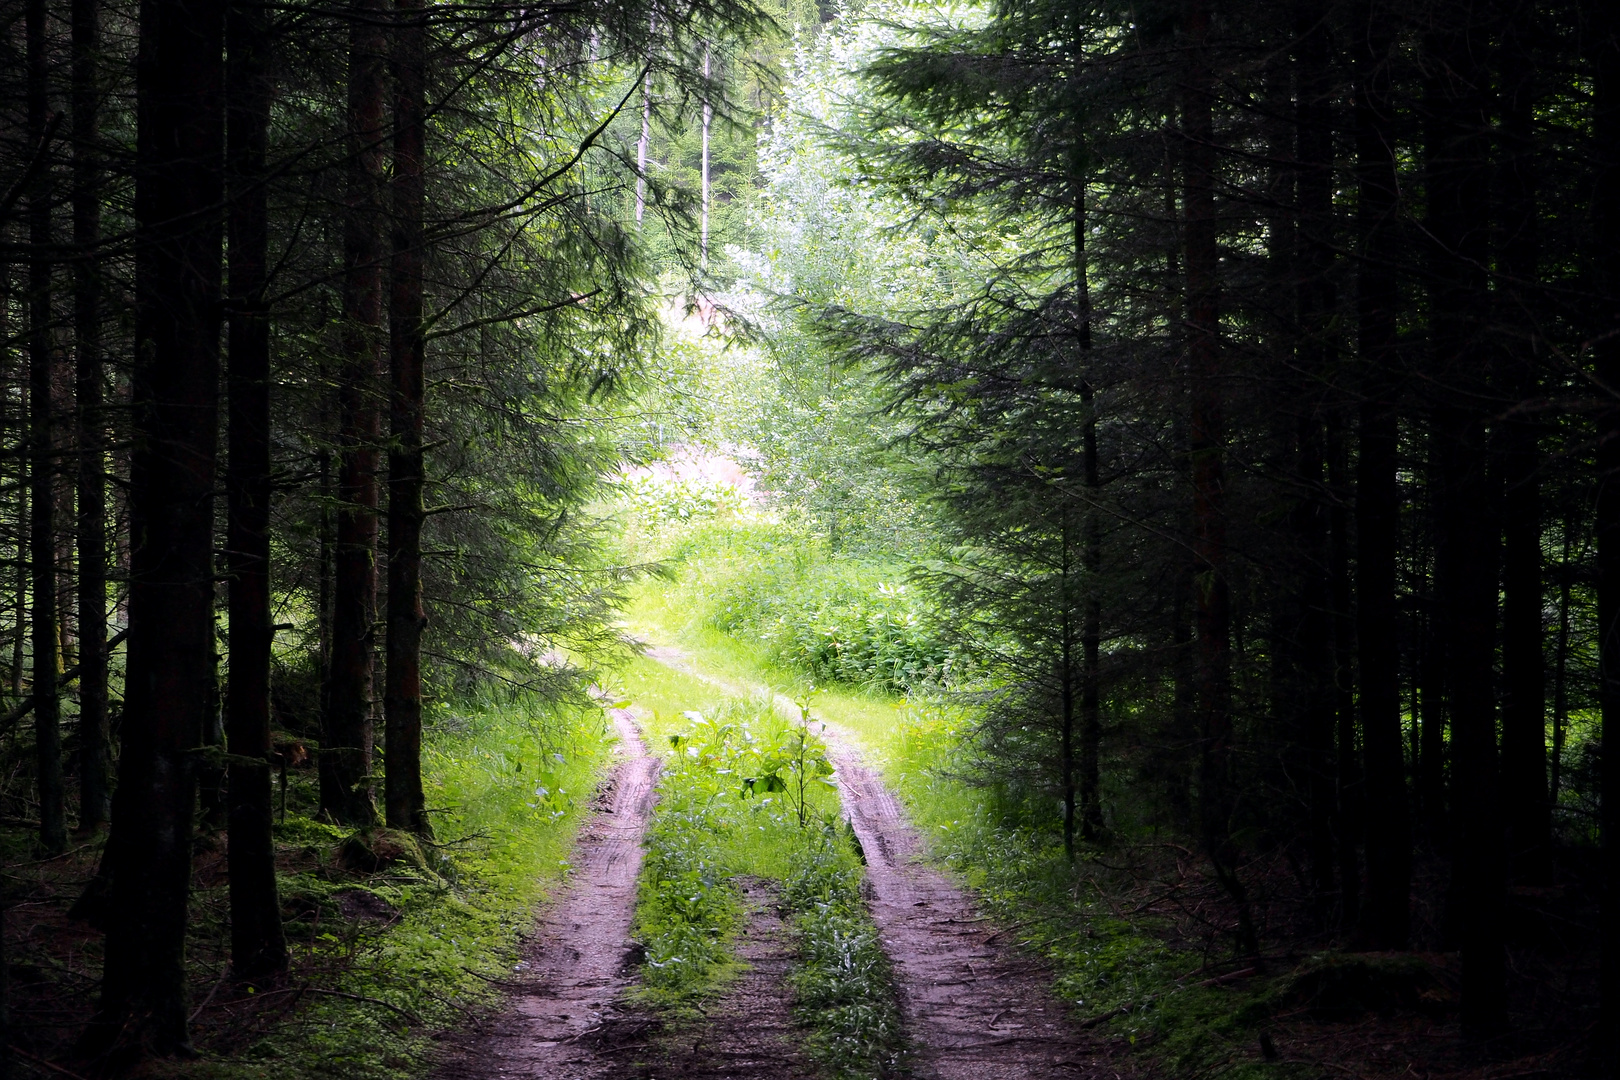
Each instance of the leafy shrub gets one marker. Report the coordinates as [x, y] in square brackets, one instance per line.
[836, 619]
[843, 985]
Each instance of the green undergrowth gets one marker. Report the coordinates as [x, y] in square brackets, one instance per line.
[869, 714]
[836, 617]
[746, 793]
[394, 940]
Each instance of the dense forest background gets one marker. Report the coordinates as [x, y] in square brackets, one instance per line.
[1208, 407]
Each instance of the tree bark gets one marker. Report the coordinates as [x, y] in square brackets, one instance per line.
[1560, 717]
[346, 746]
[1606, 350]
[646, 127]
[178, 239]
[1206, 436]
[95, 791]
[405, 803]
[258, 947]
[1469, 526]
[708, 118]
[1386, 917]
[1316, 303]
[42, 493]
[1524, 728]
[1349, 792]
[1091, 815]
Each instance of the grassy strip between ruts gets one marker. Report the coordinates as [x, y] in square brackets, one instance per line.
[746, 793]
[385, 956]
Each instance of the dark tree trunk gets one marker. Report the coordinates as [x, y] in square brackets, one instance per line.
[1349, 793]
[346, 745]
[1606, 215]
[1524, 729]
[1468, 528]
[42, 475]
[402, 692]
[1386, 916]
[6, 1070]
[179, 187]
[95, 791]
[1560, 717]
[1431, 764]
[1206, 435]
[258, 947]
[1066, 696]
[1316, 303]
[1091, 816]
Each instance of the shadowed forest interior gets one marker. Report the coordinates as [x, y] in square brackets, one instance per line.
[1168, 442]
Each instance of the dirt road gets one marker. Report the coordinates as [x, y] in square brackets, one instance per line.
[974, 1008]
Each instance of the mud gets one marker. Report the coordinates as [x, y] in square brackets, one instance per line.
[577, 966]
[748, 1033]
[973, 1008]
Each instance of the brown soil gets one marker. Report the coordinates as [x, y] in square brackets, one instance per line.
[974, 1009]
[748, 1034]
[565, 994]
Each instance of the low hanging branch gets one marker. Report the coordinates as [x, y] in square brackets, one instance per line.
[26, 705]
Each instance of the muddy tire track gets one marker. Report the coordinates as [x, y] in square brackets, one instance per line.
[566, 991]
[973, 1008]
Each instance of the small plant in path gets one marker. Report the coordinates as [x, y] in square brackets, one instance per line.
[747, 793]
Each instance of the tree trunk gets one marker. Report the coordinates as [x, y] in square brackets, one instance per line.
[346, 745]
[1091, 816]
[258, 947]
[179, 186]
[1206, 435]
[95, 792]
[402, 693]
[1524, 726]
[1386, 917]
[1560, 718]
[1317, 302]
[42, 491]
[1468, 528]
[708, 118]
[1349, 794]
[646, 128]
[1606, 214]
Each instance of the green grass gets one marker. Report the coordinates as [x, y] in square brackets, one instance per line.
[655, 615]
[508, 785]
[741, 795]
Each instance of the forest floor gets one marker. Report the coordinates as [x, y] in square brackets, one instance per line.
[972, 1005]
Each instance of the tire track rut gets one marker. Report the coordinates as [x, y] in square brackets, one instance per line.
[576, 968]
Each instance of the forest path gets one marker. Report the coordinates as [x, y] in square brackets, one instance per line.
[974, 1008]
[566, 991]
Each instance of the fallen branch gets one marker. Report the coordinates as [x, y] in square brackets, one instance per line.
[406, 1013]
[42, 862]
